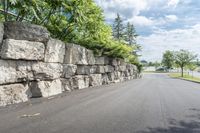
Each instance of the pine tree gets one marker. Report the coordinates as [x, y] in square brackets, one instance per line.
[118, 28]
[130, 34]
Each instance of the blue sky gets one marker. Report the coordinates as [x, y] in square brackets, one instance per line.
[161, 24]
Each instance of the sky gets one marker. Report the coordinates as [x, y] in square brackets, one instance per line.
[161, 24]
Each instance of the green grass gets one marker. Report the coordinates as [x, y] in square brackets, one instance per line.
[185, 77]
[154, 72]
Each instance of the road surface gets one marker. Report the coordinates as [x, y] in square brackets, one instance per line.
[153, 104]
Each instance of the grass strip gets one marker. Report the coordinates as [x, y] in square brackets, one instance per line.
[185, 77]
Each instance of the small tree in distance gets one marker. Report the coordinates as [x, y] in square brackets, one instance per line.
[183, 58]
[130, 34]
[168, 59]
[192, 67]
[118, 28]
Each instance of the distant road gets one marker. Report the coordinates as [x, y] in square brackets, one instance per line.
[154, 104]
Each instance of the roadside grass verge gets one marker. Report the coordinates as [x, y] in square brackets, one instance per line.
[185, 77]
[154, 72]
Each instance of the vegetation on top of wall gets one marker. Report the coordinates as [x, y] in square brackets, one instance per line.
[74, 21]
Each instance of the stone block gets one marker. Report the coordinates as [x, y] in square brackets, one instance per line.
[47, 71]
[100, 69]
[114, 62]
[86, 70]
[25, 31]
[122, 68]
[15, 71]
[67, 84]
[126, 73]
[117, 75]
[101, 60]
[69, 70]
[13, 93]
[45, 88]
[131, 67]
[109, 68]
[111, 77]
[24, 71]
[1, 33]
[95, 79]
[80, 81]
[7, 71]
[55, 51]
[75, 54]
[105, 79]
[90, 57]
[22, 49]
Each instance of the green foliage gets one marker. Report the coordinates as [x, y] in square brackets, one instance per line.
[74, 21]
[183, 58]
[192, 66]
[130, 34]
[118, 28]
[168, 59]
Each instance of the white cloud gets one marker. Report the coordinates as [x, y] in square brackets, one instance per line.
[126, 8]
[141, 21]
[144, 21]
[172, 3]
[160, 41]
[121, 6]
[171, 18]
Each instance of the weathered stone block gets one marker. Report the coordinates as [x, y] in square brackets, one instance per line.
[1, 33]
[131, 67]
[86, 70]
[7, 71]
[122, 68]
[47, 70]
[55, 51]
[117, 75]
[67, 84]
[95, 79]
[75, 54]
[109, 68]
[105, 79]
[21, 49]
[114, 62]
[111, 77]
[14, 93]
[69, 70]
[101, 60]
[80, 81]
[127, 73]
[100, 69]
[122, 77]
[24, 71]
[25, 31]
[45, 88]
[15, 71]
[90, 57]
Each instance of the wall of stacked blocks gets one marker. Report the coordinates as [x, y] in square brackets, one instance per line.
[32, 65]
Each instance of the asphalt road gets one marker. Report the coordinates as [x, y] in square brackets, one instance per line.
[153, 104]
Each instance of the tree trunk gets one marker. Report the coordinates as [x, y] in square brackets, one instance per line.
[181, 71]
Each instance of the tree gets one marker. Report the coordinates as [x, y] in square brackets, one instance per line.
[183, 58]
[118, 28]
[168, 59]
[192, 66]
[130, 34]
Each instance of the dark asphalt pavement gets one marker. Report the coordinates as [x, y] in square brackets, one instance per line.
[153, 104]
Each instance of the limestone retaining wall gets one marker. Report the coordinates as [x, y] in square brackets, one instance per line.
[34, 65]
